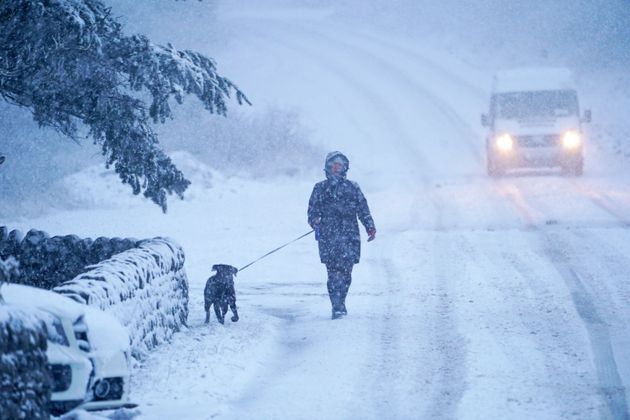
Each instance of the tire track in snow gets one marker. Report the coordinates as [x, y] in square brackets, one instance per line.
[533, 218]
[388, 343]
[606, 278]
[451, 375]
[604, 202]
[611, 385]
[529, 216]
[557, 342]
[557, 251]
[421, 351]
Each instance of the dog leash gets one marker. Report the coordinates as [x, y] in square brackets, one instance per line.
[276, 250]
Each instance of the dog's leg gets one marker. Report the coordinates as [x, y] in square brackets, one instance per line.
[217, 312]
[231, 300]
[234, 309]
[207, 298]
[207, 308]
[224, 307]
[235, 312]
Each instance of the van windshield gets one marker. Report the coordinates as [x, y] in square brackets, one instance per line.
[541, 104]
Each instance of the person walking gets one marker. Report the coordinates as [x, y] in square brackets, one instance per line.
[333, 209]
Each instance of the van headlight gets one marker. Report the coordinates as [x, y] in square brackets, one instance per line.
[571, 140]
[504, 142]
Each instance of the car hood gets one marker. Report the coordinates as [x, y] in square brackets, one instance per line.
[107, 336]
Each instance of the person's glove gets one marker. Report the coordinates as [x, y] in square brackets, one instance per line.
[316, 225]
[371, 234]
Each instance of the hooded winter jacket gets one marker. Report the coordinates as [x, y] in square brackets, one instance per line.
[337, 203]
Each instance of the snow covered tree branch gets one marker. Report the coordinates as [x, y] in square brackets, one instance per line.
[69, 63]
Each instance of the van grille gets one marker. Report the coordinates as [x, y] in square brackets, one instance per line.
[549, 140]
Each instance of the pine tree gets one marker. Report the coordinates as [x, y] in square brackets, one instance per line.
[69, 62]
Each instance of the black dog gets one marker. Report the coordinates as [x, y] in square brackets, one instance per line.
[220, 292]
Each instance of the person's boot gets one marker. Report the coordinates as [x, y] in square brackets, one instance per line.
[342, 298]
[336, 308]
[336, 313]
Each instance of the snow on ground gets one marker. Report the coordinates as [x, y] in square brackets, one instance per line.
[480, 298]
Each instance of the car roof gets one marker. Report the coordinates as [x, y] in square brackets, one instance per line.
[533, 79]
[28, 297]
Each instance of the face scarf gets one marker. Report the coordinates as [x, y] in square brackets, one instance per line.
[335, 179]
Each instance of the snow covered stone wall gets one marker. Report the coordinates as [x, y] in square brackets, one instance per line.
[47, 262]
[146, 288]
[142, 283]
[24, 374]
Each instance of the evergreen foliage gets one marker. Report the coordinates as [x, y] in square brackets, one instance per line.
[69, 62]
[25, 376]
[9, 270]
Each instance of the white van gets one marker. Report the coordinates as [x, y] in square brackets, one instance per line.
[534, 121]
[88, 350]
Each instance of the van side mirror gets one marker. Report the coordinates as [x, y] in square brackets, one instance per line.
[587, 116]
[484, 120]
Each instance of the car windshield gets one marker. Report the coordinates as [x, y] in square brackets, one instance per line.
[542, 104]
[54, 329]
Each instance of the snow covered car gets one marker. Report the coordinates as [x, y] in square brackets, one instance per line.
[534, 121]
[88, 350]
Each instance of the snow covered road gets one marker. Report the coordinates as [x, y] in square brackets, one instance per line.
[479, 299]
